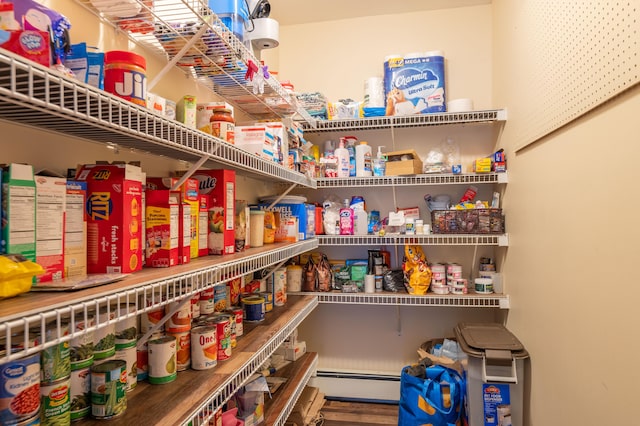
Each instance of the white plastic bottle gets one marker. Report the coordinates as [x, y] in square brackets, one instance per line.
[363, 159]
[342, 155]
[379, 163]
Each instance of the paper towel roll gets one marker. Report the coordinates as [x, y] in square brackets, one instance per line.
[265, 34]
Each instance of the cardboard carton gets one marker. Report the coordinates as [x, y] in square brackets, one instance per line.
[75, 230]
[51, 195]
[18, 211]
[114, 217]
[203, 224]
[162, 228]
[396, 166]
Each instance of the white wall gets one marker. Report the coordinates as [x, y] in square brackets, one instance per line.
[571, 253]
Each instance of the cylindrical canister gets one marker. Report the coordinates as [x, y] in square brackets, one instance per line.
[127, 328]
[180, 321]
[20, 387]
[80, 393]
[162, 360]
[183, 350]
[108, 389]
[82, 346]
[268, 301]
[223, 335]
[105, 337]
[294, 278]
[253, 308]
[239, 314]
[55, 361]
[204, 347]
[256, 228]
[223, 124]
[130, 356]
[220, 297]
[55, 402]
[206, 302]
[125, 75]
[195, 306]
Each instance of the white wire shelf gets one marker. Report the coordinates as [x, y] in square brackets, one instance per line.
[471, 300]
[421, 120]
[215, 58]
[414, 180]
[501, 240]
[40, 97]
[39, 314]
[203, 413]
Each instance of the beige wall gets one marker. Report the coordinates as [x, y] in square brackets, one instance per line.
[570, 259]
[336, 57]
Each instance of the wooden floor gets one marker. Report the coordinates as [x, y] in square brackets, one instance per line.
[339, 413]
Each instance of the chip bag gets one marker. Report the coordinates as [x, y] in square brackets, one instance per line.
[416, 270]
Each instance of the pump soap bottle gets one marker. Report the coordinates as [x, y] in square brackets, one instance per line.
[342, 155]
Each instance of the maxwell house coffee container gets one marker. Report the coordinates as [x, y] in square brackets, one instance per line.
[125, 76]
[414, 84]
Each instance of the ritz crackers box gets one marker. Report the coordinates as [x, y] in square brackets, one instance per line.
[114, 217]
[220, 188]
[189, 213]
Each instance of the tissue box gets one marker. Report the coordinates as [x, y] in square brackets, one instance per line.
[397, 167]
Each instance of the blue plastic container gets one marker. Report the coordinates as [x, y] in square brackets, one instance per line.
[233, 14]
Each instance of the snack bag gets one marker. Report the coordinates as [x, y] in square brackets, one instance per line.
[324, 274]
[309, 278]
[416, 270]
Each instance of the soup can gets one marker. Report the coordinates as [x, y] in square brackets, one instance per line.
[108, 389]
[183, 350]
[206, 302]
[232, 326]
[105, 337]
[223, 335]
[162, 360]
[80, 393]
[237, 311]
[151, 318]
[180, 321]
[220, 297]
[204, 347]
[195, 305]
[81, 347]
[130, 356]
[253, 308]
[20, 388]
[55, 402]
[126, 330]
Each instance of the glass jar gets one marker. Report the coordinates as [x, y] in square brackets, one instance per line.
[223, 125]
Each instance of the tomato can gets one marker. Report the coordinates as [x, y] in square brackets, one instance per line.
[20, 388]
[183, 350]
[125, 75]
[223, 335]
[55, 402]
[162, 360]
[206, 302]
[204, 348]
[129, 355]
[180, 321]
[108, 389]
[80, 393]
[82, 346]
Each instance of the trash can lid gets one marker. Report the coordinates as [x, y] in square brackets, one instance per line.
[476, 338]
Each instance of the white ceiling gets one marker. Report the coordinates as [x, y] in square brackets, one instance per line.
[293, 12]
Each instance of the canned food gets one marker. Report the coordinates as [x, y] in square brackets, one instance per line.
[55, 361]
[142, 360]
[129, 355]
[232, 326]
[183, 350]
[279, 286]
[204, 348]
[105, 337]
[81, 353]
[253, 308]
[151, 318]
[55, 403]
[126, 330]
[268, 301]
[20, 389]
[80, 393]
[180, 321]
[33, 421]
[220, 297]
[195, 306]
[206, 302]
[223, 335]
[234, 288]
[237, 311]
[108, 389]
[162, 360]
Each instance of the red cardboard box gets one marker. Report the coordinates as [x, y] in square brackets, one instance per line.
[220, 188]
[162, 228]
[189, 213]
[33, 45]
[114, 217]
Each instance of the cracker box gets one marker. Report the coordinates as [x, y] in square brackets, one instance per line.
[162, 233]
[220, 188]
[189, 211]
[114, 217]
[18, 211]
[51, 195]
[203, 224]
[75, 230]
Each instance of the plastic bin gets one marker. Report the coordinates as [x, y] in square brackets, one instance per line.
[495, 374]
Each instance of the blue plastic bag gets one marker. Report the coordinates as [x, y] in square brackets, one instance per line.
[437, 400]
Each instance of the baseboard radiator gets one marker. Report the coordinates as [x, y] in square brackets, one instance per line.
[366, 387]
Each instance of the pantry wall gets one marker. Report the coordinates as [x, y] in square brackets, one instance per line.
[562, 267]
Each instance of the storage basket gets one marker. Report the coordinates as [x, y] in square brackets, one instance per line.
[472, 221]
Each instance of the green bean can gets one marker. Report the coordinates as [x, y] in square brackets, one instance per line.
[55, 361]
[55, 403]
[82, 345]
[126, 330]
[105, 337]
[108, 389]
[80, 393]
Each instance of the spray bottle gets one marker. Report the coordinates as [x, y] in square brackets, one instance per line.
[379, 163]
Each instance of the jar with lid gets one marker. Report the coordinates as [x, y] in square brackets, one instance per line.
[223, 125]
[125, 75]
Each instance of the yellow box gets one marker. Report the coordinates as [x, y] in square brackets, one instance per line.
[410, 165]
[482, 165]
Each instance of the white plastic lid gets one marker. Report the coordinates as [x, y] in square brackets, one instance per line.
[484, 281]
[415, 55]
[434, 53]
[258, 212]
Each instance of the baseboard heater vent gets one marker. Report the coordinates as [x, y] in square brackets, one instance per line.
[358, 386]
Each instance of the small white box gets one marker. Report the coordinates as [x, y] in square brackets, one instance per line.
[256, 140]
[294, 353]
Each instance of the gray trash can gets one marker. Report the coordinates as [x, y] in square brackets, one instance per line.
[495, 374]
